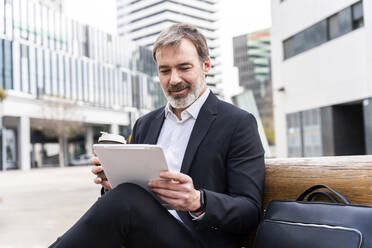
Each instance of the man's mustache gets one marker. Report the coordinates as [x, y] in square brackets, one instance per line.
[178, 87]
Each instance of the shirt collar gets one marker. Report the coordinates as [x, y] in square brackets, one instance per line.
[194, 108]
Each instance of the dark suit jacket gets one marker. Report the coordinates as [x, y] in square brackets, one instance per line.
[224, 157]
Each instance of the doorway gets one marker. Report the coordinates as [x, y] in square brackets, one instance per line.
[348, 129]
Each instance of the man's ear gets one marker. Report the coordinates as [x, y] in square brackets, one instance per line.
[206, 66]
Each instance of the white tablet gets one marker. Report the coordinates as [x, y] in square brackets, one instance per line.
[131, 163]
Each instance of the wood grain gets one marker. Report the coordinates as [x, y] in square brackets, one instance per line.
[349, 175]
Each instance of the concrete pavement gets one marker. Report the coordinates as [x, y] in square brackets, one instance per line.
[37, 206]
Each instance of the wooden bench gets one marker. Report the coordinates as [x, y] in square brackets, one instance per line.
[287, 178]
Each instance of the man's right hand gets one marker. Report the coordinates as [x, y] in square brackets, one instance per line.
[97, 168]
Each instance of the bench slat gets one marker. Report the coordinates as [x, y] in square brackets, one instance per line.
[349, 175]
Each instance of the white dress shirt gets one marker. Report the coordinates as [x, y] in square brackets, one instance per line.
[175, 134]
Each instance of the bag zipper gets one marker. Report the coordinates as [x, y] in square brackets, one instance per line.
[322, 225]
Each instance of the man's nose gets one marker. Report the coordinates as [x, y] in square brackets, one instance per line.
[175, 77]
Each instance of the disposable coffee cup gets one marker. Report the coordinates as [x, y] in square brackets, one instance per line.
[109, 138]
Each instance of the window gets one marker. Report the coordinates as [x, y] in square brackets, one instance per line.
[61, 76]
[44, 23]
[1, 63]
[31, 21]
[305, 40]
[16, 66]
[340, 24]
[51, 29]
[334, 26]
[316, 35]
[53, 74]
[91, 79]
[16, 18]
[102, 81]
[85, 81]
[95, 83]
[38, 24]
[24, 18]
[67, 67]
[8, 17]
[2, 18]
[57, 33]
[73, 73]
[135, 91]
[79, 75]
[85, 41]
[126, 89]
[32, 69]
[25, 86]
[358, 20]
[39, 71]
[47, 66]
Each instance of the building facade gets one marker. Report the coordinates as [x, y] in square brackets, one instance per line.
[56, 5]
[142, 21]
[252, 58]
[322, 82]
[65, 82]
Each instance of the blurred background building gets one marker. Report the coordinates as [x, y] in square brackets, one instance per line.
[321, 60]
[252, 58]
[65, 82]
[142, 21]
[57, 5]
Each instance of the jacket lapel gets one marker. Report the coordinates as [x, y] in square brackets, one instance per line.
[155, 127]
[205, 118]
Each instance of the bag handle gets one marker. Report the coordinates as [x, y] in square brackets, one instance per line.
[321, 186]
[326, 194]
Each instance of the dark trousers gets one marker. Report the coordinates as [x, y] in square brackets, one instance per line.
[127, 215]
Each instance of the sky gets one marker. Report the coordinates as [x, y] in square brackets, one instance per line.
[236, 17]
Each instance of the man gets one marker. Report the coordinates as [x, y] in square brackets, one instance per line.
[215, 159]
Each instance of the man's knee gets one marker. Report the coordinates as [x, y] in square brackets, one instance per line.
[130, 195]
[128, 190]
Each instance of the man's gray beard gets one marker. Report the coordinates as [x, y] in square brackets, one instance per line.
[189, 99]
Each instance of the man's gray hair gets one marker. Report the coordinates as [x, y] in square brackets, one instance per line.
[175, 33]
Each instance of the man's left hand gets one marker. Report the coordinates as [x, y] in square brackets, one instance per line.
[176, 189]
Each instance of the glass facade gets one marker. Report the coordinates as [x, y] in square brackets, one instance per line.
[341, 23]
[43, 53]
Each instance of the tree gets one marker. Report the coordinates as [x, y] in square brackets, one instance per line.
[2, 94]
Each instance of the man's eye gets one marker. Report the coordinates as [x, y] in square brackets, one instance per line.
[164, 71]
[184, 68]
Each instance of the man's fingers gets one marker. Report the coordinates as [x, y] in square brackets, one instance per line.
[97, 180]
[178, 176]
[169, 193]
[96, 169]
[166, 184]
[95, 161]
[106, 185]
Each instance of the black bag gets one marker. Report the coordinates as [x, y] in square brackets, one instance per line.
[301, 224]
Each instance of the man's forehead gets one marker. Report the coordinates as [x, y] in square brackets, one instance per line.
[173, 51]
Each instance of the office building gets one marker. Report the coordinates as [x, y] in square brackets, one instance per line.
[142, 21]
[252, 58]
[321, 60]
[65, 82]
[56, 5]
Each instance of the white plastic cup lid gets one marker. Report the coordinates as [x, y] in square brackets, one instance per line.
[111, 137]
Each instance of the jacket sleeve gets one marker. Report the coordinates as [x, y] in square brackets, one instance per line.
[238, 210]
